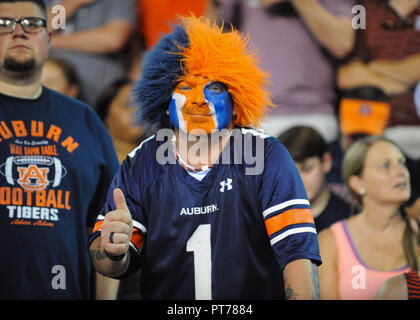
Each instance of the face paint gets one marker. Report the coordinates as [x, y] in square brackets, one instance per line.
[220, 102]
[198, 103]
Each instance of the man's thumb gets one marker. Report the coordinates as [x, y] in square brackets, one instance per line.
[119, 200]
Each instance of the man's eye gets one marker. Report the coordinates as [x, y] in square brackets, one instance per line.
[184, 88]
[216, 87]
[4, 22]
[307, 168]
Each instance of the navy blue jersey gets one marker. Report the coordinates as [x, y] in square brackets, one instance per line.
[228, 236]
[56, 163]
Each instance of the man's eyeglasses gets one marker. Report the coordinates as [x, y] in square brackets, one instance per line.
[29, 24]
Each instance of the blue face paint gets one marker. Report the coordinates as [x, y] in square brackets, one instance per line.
[219, 105]
[219, 99]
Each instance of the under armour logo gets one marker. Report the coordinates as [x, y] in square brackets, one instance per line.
[227, 183]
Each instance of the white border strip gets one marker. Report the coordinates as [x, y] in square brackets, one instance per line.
[285, 205]
[139, 226]
[134, 247]
[290, 232]
[133, 153]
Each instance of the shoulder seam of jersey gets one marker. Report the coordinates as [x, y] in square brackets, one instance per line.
[132, 154]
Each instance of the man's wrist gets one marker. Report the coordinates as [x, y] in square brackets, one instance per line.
[114, 257]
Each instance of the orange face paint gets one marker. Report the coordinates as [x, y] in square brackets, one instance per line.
[200, 104]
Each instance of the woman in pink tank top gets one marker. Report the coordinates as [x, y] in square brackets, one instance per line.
[360, 253]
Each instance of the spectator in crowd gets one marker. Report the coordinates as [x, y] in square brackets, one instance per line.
[362, 252]
[60, 76]
[387, 56]
[95, 40]
[56, 162]
[407, 285]
[363, 111]
[313, 159]
[299, 42]
[117, 110]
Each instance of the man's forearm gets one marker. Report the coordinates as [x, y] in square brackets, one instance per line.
[103, 264]
[334, 33]
[356, 73]
[106, 288]
[406, 69]
[301, 280]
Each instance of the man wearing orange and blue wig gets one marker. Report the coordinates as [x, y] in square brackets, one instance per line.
[204, 226]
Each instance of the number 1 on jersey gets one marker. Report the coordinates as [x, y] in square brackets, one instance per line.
[199, 244]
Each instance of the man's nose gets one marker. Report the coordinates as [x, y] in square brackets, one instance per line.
[197, 96]
[19, 32]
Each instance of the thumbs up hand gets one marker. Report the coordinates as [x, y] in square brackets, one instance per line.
[117, 227]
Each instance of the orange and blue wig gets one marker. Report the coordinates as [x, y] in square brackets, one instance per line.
[199, 48]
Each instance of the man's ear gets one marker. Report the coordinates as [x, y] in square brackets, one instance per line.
[49, 39]
[167, 112]
[327, 162]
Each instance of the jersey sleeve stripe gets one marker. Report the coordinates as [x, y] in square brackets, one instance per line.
[137, 239]
[256, 133]
[292, 216]
[98, 223]
[284, 205]
[290, 232]
[139, 226]
[134, 247]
